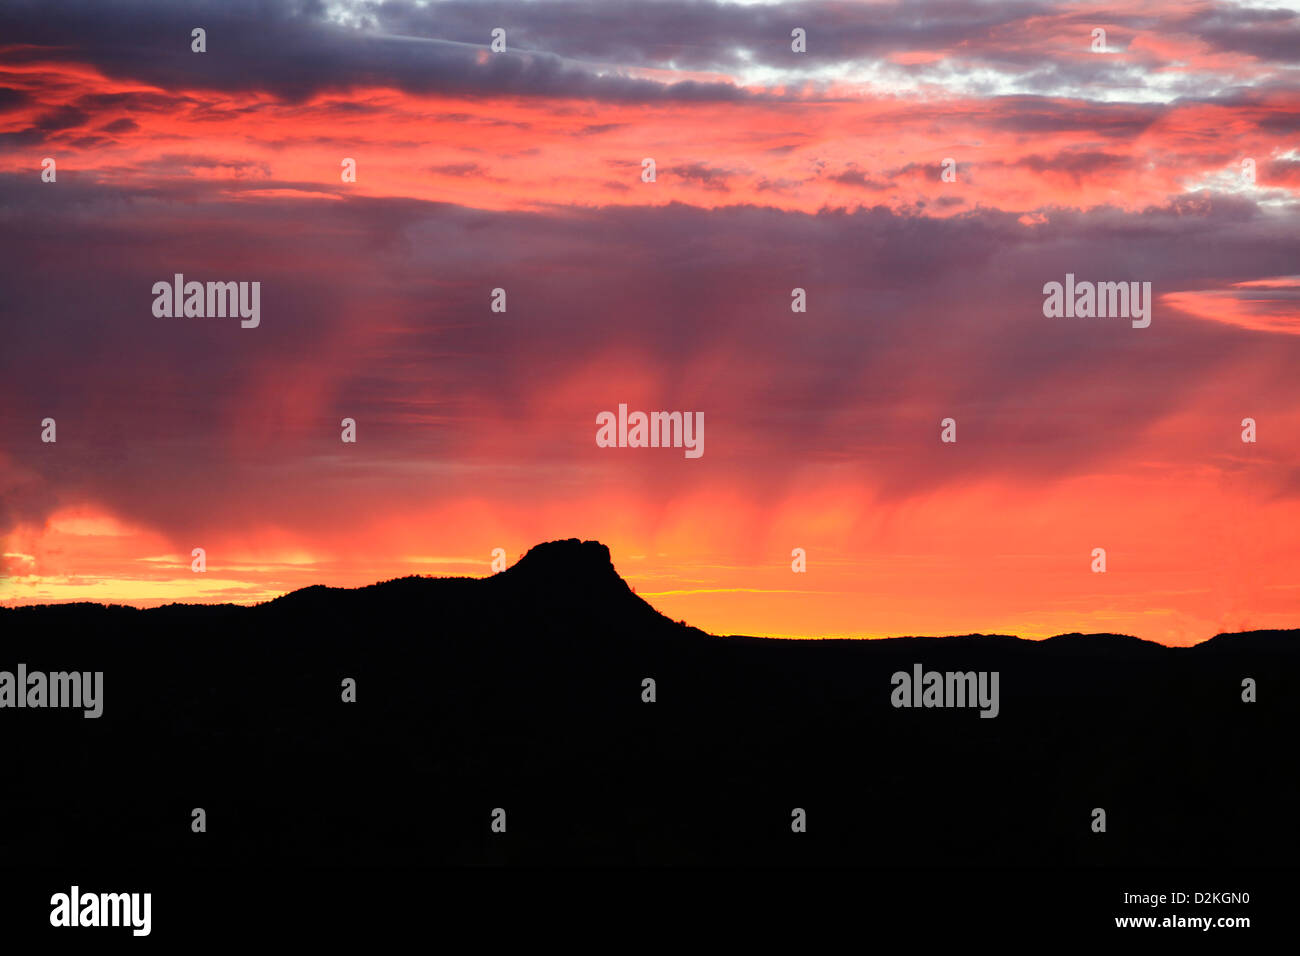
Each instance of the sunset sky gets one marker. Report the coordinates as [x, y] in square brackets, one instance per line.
[522, 170]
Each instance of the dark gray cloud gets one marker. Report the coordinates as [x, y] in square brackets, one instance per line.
[854, 176]
[710, 177]
[562, 47]
[65, 117]
[573, 48]
[124, 125]
[12, 99]
[459, 169]
[378, 309]
[1032, 114]
[292, 50]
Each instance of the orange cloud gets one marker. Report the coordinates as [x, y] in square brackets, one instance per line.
[516, 153]
[1264, 305]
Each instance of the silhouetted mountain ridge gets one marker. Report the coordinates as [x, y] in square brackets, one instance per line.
[615, 735]
[575, 577]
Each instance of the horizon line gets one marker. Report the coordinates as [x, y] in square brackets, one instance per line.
[680, 622]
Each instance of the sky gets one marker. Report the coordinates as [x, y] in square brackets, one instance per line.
[921, 171]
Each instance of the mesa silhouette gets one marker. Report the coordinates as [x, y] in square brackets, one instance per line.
[524, 691]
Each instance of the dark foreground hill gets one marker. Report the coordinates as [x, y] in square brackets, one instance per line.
[524, 691]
